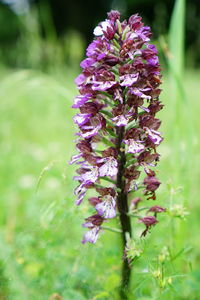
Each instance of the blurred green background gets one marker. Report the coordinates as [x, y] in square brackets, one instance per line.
[41, 257]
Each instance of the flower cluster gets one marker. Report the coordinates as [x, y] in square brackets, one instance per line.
[118, 101]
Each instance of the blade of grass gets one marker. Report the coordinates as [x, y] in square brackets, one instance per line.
[177, 51]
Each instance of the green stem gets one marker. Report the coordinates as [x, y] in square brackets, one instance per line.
[108, 179]
[111, 229]
[122, 203]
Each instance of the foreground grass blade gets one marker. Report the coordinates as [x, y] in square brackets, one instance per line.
[177, 51]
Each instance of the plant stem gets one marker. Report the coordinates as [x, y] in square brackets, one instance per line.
[122, 203]
[116, 230]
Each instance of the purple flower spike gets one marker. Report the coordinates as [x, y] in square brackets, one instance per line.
[117, 129]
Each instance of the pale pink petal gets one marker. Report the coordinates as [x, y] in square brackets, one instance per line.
[134, 146]
[91, 235]
[109, 168]
[107, 208]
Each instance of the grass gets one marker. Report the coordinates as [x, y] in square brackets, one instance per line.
[41, 256]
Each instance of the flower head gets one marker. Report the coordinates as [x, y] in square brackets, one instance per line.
[118, 101]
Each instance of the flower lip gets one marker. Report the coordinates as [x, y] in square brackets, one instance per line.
[90, 131]
[109, 167]
[81, 119]
[120, 120]
[151, 183]
[103, 26]
[107, 208]
[91, 235]
[91, 175]
[80, 100]
[88, 62]
[103, 85]
[134, 146]
[148, 221]
[129, 79]
[154, 136]
[75, 158]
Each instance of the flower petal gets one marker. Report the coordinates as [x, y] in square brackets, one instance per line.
[107, 208]
[109, 168]
[91, 235]
[134, 146]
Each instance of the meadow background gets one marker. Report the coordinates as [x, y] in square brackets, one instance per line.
[41, 257]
